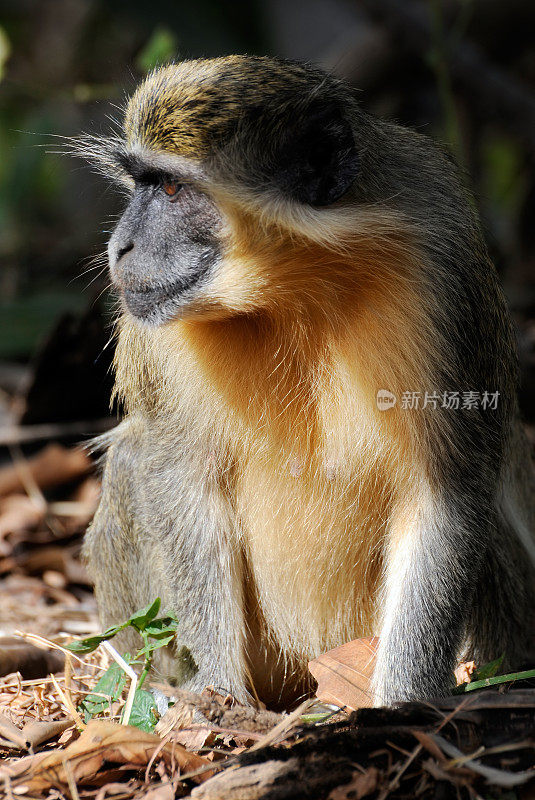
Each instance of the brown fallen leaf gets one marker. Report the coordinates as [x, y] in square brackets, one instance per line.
[344, 674]
[109, 789]
[11, 734]
[39, 731]
[192, 738]
[101, 743]
[52, 466]
[361, 785]
[431, 746]
[18, 513]
[163, 792]
[464, 672]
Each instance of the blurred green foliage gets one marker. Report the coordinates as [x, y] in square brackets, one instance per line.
[504, 178]
[65, 68]
[161, 47]
[28, 317]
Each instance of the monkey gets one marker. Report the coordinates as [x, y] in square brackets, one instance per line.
[285, 262]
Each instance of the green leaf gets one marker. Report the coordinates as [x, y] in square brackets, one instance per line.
[141, 618]
[108, 689]
[90, 643]
[109, 632]
[161, 626]
[143, 714]
[85, 645]
[487, 670]
[150, 647]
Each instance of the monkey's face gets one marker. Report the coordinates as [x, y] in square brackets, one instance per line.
[166, 247]
[209, 146]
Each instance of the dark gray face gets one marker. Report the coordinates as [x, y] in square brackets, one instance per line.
[164, 248]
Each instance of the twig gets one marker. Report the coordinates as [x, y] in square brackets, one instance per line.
[283, 727]
[155, 755]
[266, 740]
[233, 731]
[34, 637]
[497, 777]
[7, 784]
[67, 678]
[70, 780]
[69, 705]
[415, 753]
[31, 488]
[133, 680]
[71, 508]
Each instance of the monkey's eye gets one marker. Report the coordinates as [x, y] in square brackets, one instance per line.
[171, 188]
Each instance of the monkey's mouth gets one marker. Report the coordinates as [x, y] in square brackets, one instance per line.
[157, 305]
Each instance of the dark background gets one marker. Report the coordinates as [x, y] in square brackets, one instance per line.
[461, 71]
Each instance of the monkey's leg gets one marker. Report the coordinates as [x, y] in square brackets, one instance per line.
[433, 562]
[155, 534]
[203, 569]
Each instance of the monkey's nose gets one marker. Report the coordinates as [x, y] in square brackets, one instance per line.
[122, 251]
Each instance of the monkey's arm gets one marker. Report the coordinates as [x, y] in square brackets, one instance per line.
[452, 562]
[447, 527]
[161, 531]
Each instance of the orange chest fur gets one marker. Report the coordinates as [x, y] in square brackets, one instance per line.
[312, 532]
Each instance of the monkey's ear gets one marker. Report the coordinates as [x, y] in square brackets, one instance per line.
[318, 160]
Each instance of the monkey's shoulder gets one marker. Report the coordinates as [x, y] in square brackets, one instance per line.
[145, 458]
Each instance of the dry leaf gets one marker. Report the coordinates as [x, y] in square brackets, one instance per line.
[39, 731]
[110, 789]
[53, 466]
[18, 513]
[192, 738]
[344, 674]
[101, 743]
[464, 672]
[163, 792]
[12, 734]
[361, 784]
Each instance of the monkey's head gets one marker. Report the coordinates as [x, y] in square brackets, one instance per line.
[225, 160]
